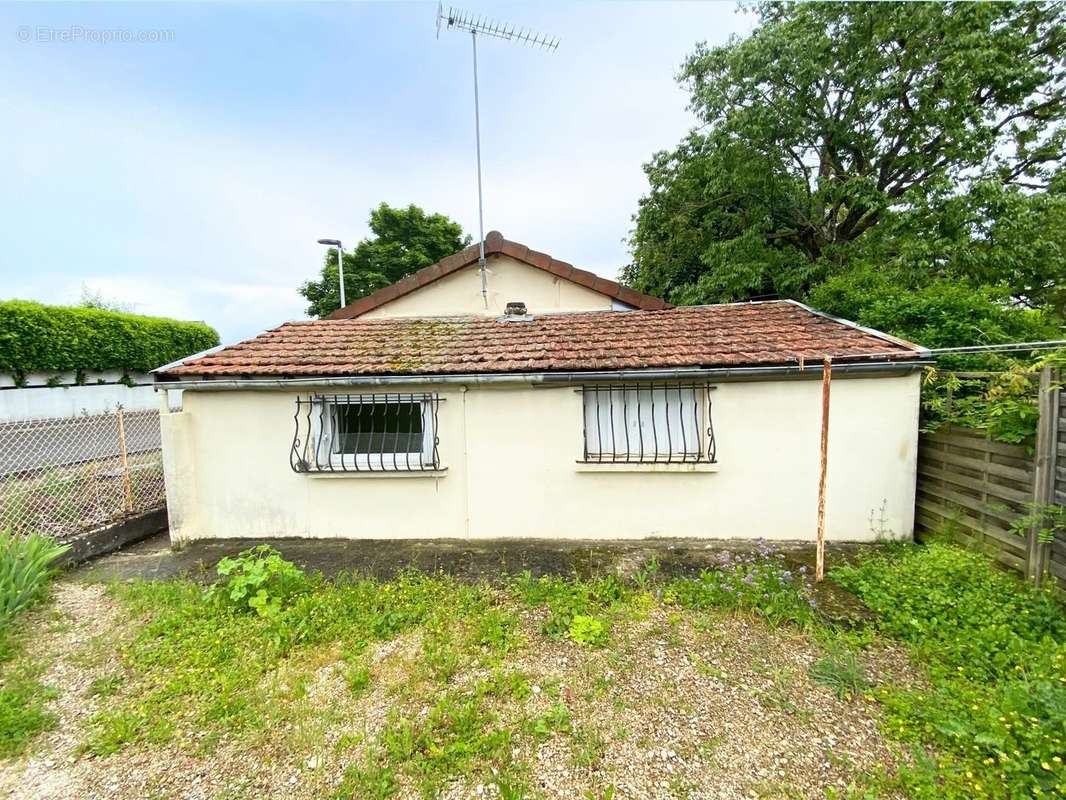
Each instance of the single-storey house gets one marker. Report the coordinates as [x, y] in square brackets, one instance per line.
[554, 404]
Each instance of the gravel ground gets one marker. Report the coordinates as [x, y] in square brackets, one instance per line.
[691, 706]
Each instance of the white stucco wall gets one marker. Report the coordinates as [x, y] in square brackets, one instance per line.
[510, 455]
[48, 402]
[508, 280]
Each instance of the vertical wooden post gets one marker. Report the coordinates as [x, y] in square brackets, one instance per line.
[1037, 552]
[819, 563]
[127, 485]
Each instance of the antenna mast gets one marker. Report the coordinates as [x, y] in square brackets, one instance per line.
[456, 19]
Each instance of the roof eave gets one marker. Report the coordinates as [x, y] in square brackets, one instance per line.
[733, 372]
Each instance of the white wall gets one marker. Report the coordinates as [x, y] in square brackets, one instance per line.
[507, 280]
[511, 470]
[42, 402]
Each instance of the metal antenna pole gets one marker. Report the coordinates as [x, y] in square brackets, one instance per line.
[480, 203]
[464, 21]
[340, 271]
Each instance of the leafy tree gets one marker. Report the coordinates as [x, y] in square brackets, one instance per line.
[404, 240]
[916, 140]
[940, 313]
[96, 299]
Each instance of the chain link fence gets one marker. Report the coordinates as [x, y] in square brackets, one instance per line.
[64, 477]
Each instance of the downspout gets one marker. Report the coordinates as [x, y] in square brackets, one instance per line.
[823, 466]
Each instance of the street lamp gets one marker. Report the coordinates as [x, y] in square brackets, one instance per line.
[340, 262]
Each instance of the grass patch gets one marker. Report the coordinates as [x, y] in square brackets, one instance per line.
[237, 660]
[25, 572]
[842, 671]
[22, 696]
[202, 660]
[995, 651]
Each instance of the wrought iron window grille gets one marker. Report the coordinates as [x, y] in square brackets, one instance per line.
[391, 432]
[662, 423]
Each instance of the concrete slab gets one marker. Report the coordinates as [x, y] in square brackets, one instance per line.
[473, 560]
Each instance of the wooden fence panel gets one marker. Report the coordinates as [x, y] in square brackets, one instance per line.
[977, 490]
[974, 489]
[1056, 409]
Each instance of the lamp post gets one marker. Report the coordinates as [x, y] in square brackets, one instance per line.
[340, 262]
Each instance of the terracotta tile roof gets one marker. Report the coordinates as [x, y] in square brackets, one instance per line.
[495, 244]
[743, 334]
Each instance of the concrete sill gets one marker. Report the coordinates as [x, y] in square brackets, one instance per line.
[584, 466]
[388, 473]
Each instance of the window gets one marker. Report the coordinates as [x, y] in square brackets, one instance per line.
[365, 433]
[654, 423]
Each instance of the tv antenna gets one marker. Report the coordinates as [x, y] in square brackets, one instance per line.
[459, 20]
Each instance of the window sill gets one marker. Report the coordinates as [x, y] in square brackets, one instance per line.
[637, 466]
[441, 472]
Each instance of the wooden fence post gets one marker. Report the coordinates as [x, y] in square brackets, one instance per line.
[1038, 552]
[819, 558]
[127, 485]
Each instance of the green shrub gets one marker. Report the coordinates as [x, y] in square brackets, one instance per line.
[259, 580]
[25, 567]
[39, 337]
[995, 650]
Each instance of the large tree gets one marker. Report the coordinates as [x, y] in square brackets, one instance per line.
[920, 139]
[404, 240]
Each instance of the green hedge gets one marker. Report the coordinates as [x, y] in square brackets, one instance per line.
[36, 337]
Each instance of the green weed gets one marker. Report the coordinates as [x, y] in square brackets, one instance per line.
[588, 630]
[758, 583]
[22, 699]
[842, 671]
[995, 650]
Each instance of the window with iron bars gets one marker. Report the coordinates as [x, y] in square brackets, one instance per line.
[366, 433]
[648, 423]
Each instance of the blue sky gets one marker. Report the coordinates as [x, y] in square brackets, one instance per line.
[191, 177]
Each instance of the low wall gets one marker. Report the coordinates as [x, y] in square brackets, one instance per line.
[114, 536]
[51, 402]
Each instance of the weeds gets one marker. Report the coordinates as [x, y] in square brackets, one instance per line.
[25, 569]
[995, 650]
[204, 665]
[259, 580]
[753, 582]
[842, 671]
[23, 700]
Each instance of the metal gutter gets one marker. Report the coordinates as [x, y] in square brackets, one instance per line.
[813, 368]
